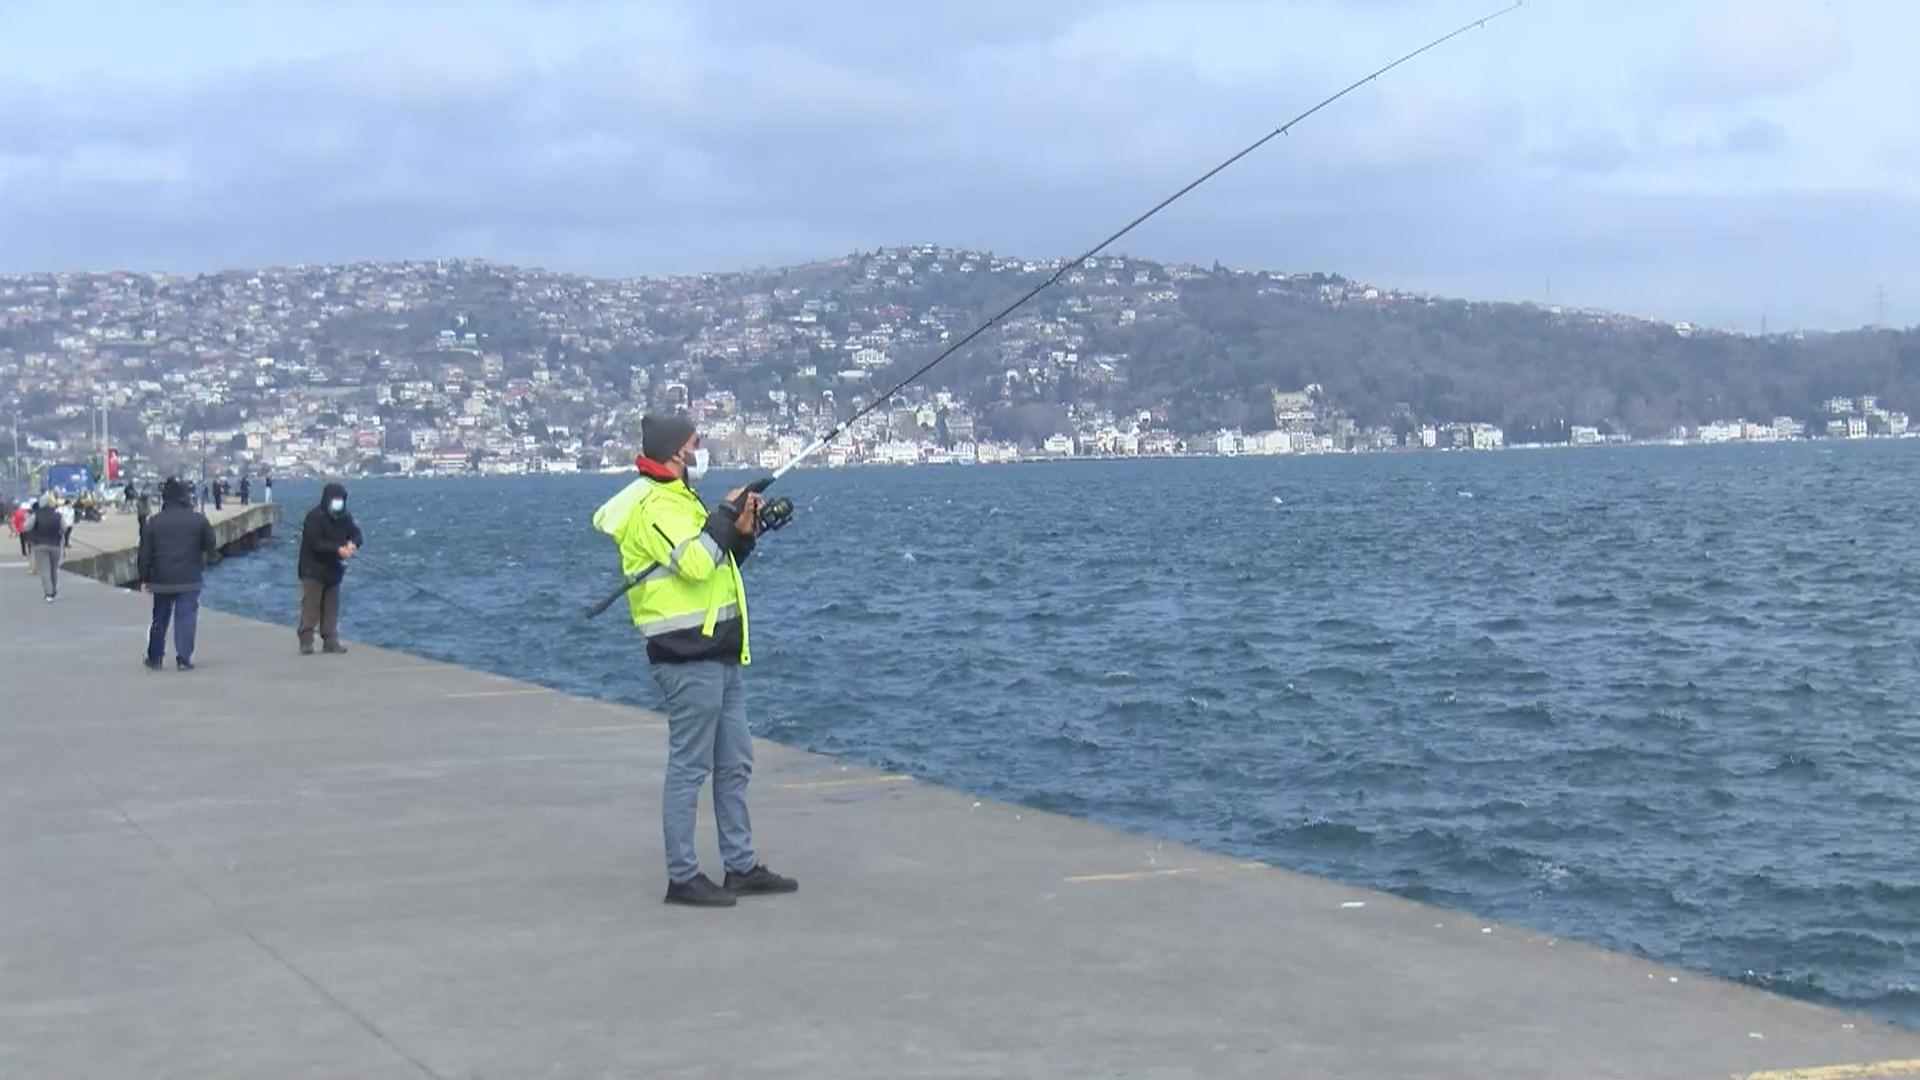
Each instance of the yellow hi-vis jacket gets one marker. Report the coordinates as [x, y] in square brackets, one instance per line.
[692, 584]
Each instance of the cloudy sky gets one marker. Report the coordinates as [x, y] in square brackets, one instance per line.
[1713, 160]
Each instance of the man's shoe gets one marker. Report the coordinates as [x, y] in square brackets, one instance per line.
[699, 891]
[150, 664]
[183, 665]
[759, 881]
[333, 647]
[306, 648]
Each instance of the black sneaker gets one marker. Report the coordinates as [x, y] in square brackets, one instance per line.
[150, 664]
[699, 891]
[759, 881]
[333, 647]
[183, 665]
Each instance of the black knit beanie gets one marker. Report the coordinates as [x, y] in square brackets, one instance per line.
[661, 437]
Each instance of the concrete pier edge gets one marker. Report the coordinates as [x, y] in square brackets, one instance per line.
[109, 550]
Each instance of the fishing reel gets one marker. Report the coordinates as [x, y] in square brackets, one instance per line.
[775, 513]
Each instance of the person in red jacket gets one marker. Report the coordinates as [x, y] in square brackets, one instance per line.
[18, 522]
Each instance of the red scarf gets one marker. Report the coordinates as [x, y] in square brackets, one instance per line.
[653, 470]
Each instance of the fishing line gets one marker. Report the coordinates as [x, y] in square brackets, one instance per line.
[360, 559]
[820, 443]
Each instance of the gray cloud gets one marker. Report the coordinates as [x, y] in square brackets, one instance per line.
[1745, 49]
[775, 134]
[1751, 137]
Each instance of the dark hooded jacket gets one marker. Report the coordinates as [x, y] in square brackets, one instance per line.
[322, 537]
[175, 544]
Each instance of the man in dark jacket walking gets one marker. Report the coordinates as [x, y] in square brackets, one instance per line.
[327, 540]
[174, 548]
[47, 534]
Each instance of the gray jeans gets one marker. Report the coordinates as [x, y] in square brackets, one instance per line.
[319, 610]
[706, 733]
[46, 561]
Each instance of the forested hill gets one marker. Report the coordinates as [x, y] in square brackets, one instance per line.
[1210, 343]
[1520, 365]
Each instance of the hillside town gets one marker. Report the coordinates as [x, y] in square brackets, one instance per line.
[458, 367]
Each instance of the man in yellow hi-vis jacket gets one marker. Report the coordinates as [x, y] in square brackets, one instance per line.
[692, 608]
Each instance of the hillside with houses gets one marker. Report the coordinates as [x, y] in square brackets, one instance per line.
[458, 366]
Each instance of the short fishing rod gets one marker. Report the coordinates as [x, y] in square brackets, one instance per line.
[835, 432]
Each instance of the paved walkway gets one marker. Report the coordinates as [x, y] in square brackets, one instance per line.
[376, 866]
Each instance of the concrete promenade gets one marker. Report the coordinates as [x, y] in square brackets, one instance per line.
[376, 866]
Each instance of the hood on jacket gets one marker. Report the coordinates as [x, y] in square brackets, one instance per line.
[332, 492]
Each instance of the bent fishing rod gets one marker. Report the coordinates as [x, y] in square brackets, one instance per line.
[839, 428]
[820, 443]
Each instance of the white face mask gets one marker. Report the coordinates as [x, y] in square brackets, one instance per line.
[337, 505]
[697, 468]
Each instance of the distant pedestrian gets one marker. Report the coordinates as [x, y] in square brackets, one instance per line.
[269, 486]
[18, 522]
[67, 514]
[174, 549]
[246, 491]
[47, 535]
[127, 498]
[219, 492]
[143, 508]
[328, 538]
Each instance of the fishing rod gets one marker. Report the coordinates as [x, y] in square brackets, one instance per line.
[782, 509]
[839, 428]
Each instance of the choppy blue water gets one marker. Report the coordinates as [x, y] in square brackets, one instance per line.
[1660, 699]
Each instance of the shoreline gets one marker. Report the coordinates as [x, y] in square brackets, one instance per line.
[732, 467]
